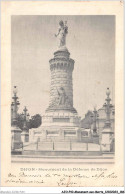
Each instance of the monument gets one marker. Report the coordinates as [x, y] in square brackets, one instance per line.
[61, 126]
[25, 133]
[60, 122]
[62, 133]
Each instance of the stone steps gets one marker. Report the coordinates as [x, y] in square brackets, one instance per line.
[63, 153]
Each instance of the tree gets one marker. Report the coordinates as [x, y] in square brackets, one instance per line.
[20, 121]
[35, 121]
[88, 120]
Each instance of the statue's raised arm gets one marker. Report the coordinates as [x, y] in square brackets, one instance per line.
[63, 30]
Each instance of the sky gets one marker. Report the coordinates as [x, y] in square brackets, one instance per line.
[91, 43]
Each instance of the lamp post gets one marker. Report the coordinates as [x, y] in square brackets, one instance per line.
[25, 133]
[107, 133]
[14, 106]
[25, 118]
[28, 116]
[108, 109]
[95, 116]
[15, 130]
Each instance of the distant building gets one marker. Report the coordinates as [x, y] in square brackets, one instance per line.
[87, 121]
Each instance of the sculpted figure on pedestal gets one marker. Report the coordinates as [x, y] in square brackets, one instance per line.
[62, 96]
[63, 30]
[62, 99]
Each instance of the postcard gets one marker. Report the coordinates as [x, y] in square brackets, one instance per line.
[62, 94]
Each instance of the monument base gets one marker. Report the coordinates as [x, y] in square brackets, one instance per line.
[63, 154]
[57, 126]
[25, 137]
[107, 138]
[16, 142]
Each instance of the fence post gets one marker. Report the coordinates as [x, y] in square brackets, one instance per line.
[87, 146]
[37, 145]
[70, 145]
[53, 145]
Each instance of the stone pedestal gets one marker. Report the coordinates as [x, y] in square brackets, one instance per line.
[79, 135]
[106, 141]
[61, 88]
[60, 121]
[61, 134]
[25, 136]
[16, 142]
[44, 134]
